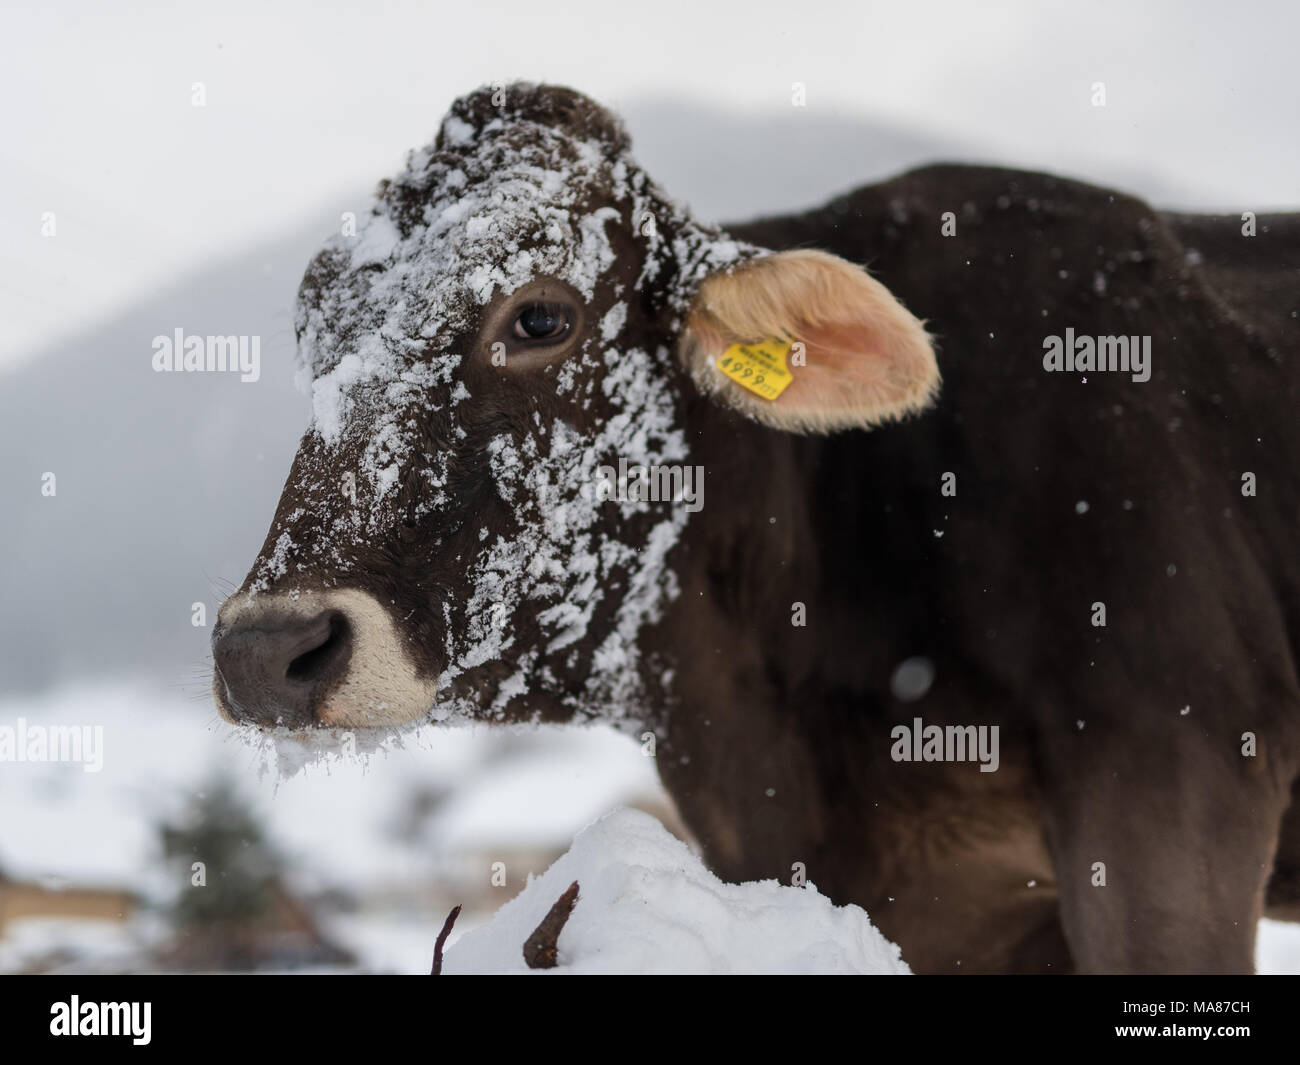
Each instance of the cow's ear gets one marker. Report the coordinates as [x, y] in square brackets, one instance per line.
[855, 357]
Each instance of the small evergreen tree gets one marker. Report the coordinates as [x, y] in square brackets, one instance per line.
[229, 877]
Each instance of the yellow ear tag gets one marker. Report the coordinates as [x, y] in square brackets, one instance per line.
[759, 367]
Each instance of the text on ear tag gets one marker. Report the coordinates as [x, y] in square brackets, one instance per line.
[758, 367]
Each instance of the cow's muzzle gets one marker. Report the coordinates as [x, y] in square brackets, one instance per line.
[314, 660]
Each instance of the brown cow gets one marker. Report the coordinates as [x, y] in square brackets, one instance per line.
[1014, 670]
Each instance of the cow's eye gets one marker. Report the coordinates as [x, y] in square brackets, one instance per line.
[541, 321]
[536, 325]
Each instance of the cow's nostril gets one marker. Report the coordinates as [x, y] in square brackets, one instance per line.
[319, 662]
[277, 669]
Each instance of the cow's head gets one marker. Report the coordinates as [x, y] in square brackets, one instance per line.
[521, 307]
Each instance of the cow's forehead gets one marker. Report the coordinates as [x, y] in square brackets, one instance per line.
[385, 310]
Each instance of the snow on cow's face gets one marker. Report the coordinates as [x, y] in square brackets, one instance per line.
[497, 329]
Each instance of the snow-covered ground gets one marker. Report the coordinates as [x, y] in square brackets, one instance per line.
[408, 830]
[646, 904]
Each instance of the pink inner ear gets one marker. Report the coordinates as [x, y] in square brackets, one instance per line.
[858, 366]
[866, 359]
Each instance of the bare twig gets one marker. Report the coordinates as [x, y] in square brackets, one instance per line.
[442, 941]
[541, 951]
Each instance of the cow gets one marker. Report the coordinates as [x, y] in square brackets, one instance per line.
[982, 611]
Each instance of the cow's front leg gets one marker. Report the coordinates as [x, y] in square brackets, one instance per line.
[1162, 852]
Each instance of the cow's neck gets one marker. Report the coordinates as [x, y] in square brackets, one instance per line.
[750, 684]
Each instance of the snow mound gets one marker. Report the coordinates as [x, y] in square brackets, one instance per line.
[646, 904]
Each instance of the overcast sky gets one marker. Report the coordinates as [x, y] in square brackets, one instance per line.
[308, 102]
